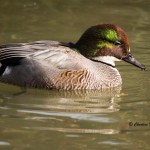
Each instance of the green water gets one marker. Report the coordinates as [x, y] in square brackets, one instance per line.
[117, 119]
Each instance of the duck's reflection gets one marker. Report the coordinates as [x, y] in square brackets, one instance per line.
[86, 101]
[70, 112]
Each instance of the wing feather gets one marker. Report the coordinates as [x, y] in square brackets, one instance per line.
[51, 52]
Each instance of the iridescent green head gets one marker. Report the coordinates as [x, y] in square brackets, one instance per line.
[106, 43]
[103, 40]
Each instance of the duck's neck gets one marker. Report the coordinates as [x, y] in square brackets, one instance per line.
[108, 60]
[86, 48]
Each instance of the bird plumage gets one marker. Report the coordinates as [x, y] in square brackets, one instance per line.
[87, 64]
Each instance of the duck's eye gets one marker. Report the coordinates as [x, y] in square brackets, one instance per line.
[117, 43]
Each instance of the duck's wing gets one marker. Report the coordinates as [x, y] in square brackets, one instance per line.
[15, 50]
[52, 52]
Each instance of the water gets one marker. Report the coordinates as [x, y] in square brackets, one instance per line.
[107, 119]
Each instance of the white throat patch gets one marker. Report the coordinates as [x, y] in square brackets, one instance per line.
[107, 59]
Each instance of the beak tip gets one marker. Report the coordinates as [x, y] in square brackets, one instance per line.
[143, 68]
[130, 59]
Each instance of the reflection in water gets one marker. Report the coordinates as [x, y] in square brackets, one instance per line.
[88, 101]
[61, 107]
[2, 143]
[67, 130]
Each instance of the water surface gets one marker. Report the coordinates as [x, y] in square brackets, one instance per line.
[107, 119]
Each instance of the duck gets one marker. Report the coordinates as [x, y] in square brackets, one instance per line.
[87, 64]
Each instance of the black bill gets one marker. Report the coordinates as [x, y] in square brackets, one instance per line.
[130, 59]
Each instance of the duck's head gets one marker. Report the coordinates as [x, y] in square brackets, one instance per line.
[106, 43]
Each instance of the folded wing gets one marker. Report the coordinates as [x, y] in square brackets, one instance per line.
[51, 52]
